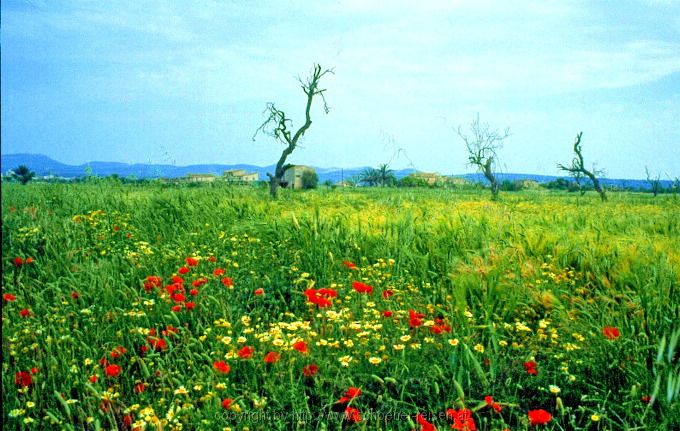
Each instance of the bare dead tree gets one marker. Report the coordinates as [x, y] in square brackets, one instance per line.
[578, 170]
[675, 184]
[280, 127]
[482, 145]
[654, 182]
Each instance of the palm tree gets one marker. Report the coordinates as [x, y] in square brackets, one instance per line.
[385, 175]
[369, 177]
[23, 174]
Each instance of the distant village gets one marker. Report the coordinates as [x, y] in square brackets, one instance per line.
[293, 178]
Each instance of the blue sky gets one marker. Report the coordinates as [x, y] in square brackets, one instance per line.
[186, 82]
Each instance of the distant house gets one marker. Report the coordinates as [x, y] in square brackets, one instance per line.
[200, 178]
[345, 184]
[293, 175]
[240, 176]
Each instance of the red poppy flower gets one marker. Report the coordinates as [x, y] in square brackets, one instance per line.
[183, 270]
[424, 424]
[353, 392]
[462, 419]
[387, 294]
[246, 352]
[352, 415]
[23, 378]
[490, 402]
[320, 297]
[25, 312]
[200, 282]
[193, 292]
[112, 370]
[158, 343]
[226, 403]
[218, 271]
[212, 259]
[8, 297]
[611, 332]
[191, 261]
[530, 367]
[177, 279]
[18, 261]
[271, 357]
[361, 287]
[322, 302]
[127, 420]
[387, 313]
[92, 379]
[190, 305]
[645, 399]
[350, 394]
[29, 260]
[300, 346]
[151, 282]
[539, 417]
[328, 293]
[415, 318]
[169, 330]
[227, 281]
[75, 295]
[259, 291]
[34, 371]
[440, 327]
[221, 367]
[310, 370]
[174, 288]
[349, 265]
[140, 387]
[176, 308]
[117, 352]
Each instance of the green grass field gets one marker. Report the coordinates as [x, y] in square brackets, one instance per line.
[151, 307]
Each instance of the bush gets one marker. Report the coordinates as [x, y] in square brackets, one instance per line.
[309, 180]
[410, 181]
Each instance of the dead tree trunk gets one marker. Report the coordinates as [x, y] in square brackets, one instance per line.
[654, 182]
[277, 124]
[482, 143]
[488, 174]
[577, 169]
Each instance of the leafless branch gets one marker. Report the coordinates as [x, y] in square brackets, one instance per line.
[279, 126]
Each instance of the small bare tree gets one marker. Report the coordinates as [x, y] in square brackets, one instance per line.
[279, 126]
[654, 182]
[675, 184]
[482, 145]
[578, 170]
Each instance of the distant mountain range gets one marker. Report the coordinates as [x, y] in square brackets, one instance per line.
[45, 166]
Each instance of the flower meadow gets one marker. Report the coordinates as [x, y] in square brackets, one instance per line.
[148, 307]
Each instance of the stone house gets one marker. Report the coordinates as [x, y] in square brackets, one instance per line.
[200, 178]
[240, 176]
[293, 175]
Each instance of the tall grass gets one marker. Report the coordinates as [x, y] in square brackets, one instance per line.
[535, 277]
